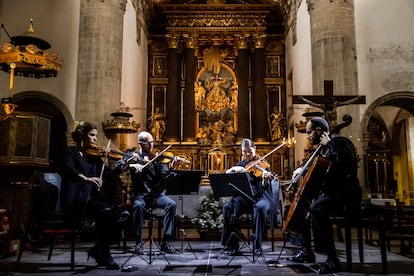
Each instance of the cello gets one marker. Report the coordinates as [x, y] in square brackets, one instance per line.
[310, 183]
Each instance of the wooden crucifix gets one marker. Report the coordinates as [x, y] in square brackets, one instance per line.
[328, 102]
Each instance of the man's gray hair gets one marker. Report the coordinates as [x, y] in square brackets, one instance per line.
[145, 136]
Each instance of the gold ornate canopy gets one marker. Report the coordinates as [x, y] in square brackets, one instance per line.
[29, 53]
[26, 55]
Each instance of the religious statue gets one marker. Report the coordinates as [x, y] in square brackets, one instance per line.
[276, 124]
[199, 96]
[230, 135]
[202, 136]
[217, 98]
[233, 96]
[217, 132]
[157, 125]
[329, 107]
[217, 162]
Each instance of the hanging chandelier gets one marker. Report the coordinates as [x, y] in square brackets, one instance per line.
[29, 53]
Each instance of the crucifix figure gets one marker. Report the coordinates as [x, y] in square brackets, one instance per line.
[328, 102]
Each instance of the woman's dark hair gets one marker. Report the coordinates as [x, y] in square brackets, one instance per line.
[319, 122]
[81, 130]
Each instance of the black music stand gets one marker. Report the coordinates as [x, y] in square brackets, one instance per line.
[234, 184]
[186, 182]
[231, 184]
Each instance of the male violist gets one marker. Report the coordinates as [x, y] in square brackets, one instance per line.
[340, 188]
[262, 205]
[145, 194]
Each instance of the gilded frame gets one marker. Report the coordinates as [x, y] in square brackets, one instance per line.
[159, 66]
[273, 66]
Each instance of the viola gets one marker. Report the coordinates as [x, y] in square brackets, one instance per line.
[257, 169]
[258, 166]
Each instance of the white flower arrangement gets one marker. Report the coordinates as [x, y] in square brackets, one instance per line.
[209, 213]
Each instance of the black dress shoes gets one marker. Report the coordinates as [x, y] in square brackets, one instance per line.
[108, 262]
[166, 248]
[331, 265]
[303, 257]
[232, 251]
[103, 258]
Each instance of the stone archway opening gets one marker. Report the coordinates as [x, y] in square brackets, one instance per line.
[388, 126]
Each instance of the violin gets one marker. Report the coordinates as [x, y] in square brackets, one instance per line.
[167, 157]
[101, 152]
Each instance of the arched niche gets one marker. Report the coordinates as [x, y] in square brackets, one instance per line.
[216, 102]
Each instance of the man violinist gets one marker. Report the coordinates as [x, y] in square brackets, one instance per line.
[238, 205]
[340, 188]
[146, 194]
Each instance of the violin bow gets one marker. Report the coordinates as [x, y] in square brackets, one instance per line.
[105, 159]
[266, 155]
[156, 156]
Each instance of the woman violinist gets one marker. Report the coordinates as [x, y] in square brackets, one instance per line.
[259, 180]
[82, 178]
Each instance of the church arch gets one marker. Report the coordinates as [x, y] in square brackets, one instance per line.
[388, 155]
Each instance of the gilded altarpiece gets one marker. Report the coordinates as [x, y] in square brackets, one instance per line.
[203, 69]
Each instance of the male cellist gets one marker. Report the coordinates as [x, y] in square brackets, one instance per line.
[340, 188]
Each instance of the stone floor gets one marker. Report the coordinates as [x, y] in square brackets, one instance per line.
[197, 258]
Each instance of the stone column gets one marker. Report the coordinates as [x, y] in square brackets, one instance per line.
[188, 98]
[242, 73]
[99, 60]
[173, 91]
[334, 50]
[259, 121]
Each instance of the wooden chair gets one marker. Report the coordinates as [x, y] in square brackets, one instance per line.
[400, 226]
[152, 216]
[365, 216]
[46, 215]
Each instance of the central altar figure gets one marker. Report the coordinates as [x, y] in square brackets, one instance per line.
[217, 98]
